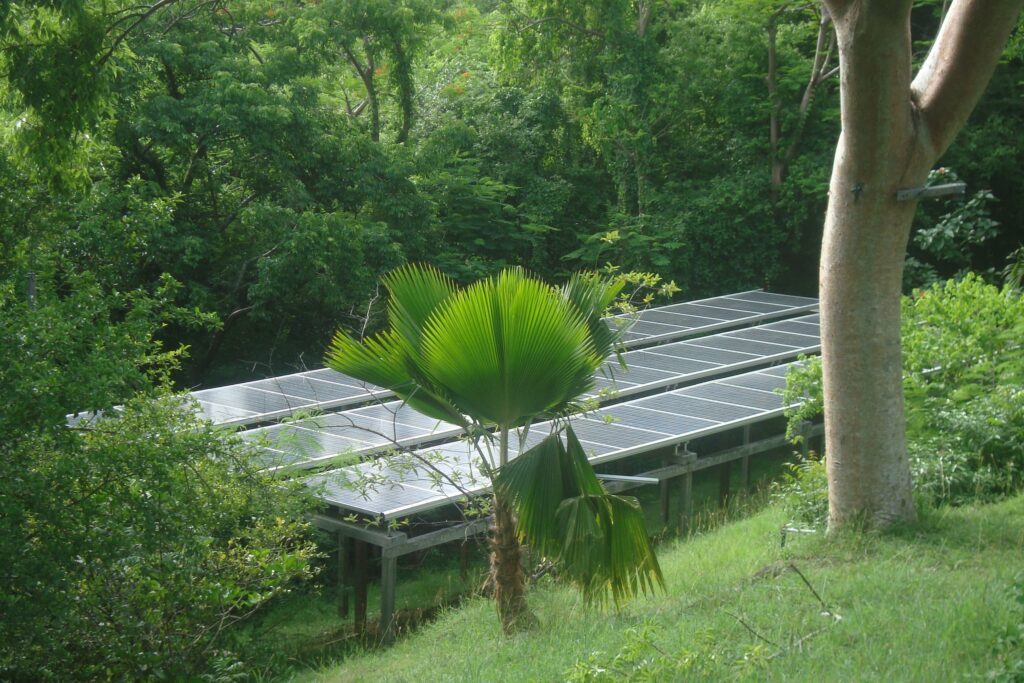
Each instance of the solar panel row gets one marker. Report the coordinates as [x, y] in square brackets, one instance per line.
[325, 389]
[437, 476]
[317, 441]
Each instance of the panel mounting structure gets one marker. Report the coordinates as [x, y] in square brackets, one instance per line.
[319, 441]
[270, 399]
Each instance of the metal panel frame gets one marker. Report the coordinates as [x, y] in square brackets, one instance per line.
[237, 416]
[666, 441]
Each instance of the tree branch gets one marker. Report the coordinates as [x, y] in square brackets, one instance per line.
[153, 9]
[960, 65]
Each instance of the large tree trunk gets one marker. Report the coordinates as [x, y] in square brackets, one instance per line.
[893, 132]
[861, 276]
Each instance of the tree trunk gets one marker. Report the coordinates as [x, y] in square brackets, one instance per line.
[861, 279]
[506, 562]
[507, 572]
[893, 132]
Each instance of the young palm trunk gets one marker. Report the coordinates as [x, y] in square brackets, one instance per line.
[506, 563]
[507, 572]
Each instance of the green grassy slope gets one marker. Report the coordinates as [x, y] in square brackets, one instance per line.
[923, 604]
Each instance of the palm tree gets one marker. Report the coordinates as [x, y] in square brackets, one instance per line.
[492, 358]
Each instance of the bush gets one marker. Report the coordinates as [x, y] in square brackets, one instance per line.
[803, 491]
[136, 547]
[964, 387]
[128, 547]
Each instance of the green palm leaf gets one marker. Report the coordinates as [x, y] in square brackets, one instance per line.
[416, 290]
[379, 359]
[592, 295]
[599, 540]
[385, 360]
[507, 349]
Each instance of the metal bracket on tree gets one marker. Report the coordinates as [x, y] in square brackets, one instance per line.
[930, 192]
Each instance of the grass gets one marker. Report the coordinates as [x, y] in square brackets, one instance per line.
[304, 629]
[925, 603]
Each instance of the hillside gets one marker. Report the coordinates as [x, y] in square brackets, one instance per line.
[928, 603]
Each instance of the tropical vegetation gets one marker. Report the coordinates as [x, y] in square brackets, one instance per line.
[493, 358]
[198, 192]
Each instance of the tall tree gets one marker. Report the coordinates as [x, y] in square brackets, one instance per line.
[895, 127]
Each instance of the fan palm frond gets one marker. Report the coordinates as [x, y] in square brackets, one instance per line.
[599, 540]
[507, 349]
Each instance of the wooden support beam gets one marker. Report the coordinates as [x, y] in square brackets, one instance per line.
[424, 541]
[344, 569]
[361, 585]
[724, 481]
[388, 578]
[665, 501]
[685, 502]
[745, 462]
[377, 537]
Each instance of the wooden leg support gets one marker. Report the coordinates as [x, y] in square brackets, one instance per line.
[745, 462]
[724, 477]
[344, 569]
[388, 576]
[664, 484]
[360, 580]
[685, 502]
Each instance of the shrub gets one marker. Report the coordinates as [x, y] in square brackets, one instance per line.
[803, 491]
[136, 547]
[130, 546]
[964, 387]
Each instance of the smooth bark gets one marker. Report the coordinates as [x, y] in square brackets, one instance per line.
[894, 131]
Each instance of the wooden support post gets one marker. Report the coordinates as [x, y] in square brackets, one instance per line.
[745, 462]
[388, 576]
[664, 485]
[344, 567]
[724, 477]
[360, 580]
[685, 502]
[464, 560]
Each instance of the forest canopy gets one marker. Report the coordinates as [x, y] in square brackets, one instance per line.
[275, 158]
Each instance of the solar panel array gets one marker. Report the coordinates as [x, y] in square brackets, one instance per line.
[317, 441]
[324, 389]
[704, 316]
[435, 477]
[687, 361]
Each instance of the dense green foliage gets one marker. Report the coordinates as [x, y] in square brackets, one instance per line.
[964, 388]
[276, 160]
[131, 544]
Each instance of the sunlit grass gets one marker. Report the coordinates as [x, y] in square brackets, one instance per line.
[926, 603]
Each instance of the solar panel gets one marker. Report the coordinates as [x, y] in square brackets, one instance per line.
[687, 361]
[638, 426]
[365, 430]
[325, 389]
[704, 316]
[317, 441]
